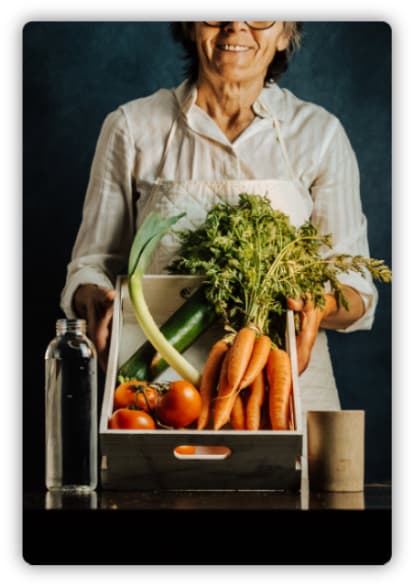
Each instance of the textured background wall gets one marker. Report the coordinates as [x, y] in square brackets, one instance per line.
[74, 73]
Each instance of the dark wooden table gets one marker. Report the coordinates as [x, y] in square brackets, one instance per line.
[375, 496]
[208, 527]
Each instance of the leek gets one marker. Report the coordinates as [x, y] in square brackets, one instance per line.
[147, 237]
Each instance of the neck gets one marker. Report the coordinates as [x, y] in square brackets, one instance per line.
[228, 104]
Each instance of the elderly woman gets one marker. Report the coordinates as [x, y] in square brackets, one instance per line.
[227, 129]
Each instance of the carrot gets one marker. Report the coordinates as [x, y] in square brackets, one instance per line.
[240, 354]
[265, 415]
[279, 377]
[225, 397]
[260, 353]
[209, 380]
[254, 403]
[238, 413]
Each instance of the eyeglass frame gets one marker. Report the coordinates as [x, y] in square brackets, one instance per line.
[223, 23]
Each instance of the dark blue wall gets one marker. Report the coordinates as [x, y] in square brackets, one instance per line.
[74, 73]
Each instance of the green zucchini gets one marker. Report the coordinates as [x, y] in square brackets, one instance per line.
[184, 327]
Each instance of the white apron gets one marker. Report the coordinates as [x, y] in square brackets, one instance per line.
[196, 198]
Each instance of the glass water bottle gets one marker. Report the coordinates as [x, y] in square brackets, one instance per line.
[71, 408]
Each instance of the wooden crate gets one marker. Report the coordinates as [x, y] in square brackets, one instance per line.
[223, 460]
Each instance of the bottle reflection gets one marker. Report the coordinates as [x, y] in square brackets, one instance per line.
[70, 499]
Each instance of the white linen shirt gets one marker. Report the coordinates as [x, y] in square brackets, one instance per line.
[127, 162]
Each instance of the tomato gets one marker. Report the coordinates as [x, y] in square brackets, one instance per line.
[137, 394]
[180, 405]
[125, 418]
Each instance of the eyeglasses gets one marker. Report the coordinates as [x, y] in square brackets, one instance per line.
[255, 25]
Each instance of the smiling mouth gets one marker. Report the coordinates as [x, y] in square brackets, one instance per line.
[233, 48]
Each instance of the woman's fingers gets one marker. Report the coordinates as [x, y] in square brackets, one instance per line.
[110, 296]
[295, 304]
[304, 343]
[301, 303]
[98, 305]
[104, 327]
[310, 318]
[304, 349]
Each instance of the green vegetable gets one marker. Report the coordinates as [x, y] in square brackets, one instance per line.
[254, 259]
[193, 318]
[146, 239]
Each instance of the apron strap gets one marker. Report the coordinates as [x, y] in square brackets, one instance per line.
[149, 202]
[280, 139]
[284, 149]
[167, 145]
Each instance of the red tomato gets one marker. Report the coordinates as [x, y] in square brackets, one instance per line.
[125, 418]
[180, 405]
[135, 393]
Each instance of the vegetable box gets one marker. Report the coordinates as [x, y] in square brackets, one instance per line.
[222, 460]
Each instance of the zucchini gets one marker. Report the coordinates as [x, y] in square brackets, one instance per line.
[183, 328]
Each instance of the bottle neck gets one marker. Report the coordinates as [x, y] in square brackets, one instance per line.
[71, 326]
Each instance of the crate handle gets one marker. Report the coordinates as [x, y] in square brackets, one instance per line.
[192, 452]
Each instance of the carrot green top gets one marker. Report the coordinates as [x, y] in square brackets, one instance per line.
[254, 259]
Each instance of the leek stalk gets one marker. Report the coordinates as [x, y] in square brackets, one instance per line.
[148, 236]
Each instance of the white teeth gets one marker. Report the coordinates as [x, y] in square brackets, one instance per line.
[234, 48]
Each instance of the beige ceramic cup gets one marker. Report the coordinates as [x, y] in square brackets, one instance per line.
[336, 450]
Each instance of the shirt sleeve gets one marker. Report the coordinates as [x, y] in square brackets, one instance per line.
[338, 211]
[104, 238]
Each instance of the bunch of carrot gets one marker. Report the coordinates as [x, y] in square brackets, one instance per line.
[247, 382]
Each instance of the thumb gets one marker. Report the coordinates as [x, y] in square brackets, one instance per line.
[110, 295]
[105, 296]
[295, 304]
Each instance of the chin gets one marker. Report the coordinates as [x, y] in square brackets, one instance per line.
[233, 74]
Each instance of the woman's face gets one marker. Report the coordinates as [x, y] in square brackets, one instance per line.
[235, 52]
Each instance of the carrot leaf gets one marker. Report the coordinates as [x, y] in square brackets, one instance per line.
[254, 259]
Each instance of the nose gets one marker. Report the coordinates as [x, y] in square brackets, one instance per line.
[234, 26]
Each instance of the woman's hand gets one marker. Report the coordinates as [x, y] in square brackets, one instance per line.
[330, 317]
[95, 304]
